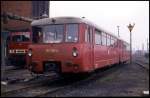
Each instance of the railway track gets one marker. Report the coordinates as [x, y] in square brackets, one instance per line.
[142, 65]
[36, 89]
[93, 76]
[54, 86]
[145, 66]
[28, 85]
[50, 87]
[142, 61]
[11, 68]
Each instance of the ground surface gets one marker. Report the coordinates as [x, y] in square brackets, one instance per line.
[120, 80]
[130, 80]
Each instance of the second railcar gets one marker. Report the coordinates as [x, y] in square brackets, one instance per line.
[17, 45]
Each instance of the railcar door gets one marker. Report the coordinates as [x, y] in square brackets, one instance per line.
[89, 48]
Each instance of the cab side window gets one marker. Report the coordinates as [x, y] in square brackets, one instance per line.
[88, 35]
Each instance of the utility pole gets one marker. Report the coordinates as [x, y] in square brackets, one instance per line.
[49, 9]
[147, 46]
[118, 31]
[142, 48]
[130, 27]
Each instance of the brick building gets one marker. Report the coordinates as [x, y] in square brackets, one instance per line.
[14, 16]
[28, 9]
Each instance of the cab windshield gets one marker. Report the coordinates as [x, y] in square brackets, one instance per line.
[21, 38]
[55, 33]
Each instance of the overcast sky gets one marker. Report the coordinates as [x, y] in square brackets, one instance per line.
[109, 14]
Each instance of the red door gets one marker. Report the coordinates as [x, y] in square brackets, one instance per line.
[89, 48]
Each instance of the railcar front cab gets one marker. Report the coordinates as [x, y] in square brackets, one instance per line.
[17, 47]
[60, 47]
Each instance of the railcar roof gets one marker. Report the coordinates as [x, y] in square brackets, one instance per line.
[64, 20]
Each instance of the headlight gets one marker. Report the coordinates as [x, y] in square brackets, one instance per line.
[30, 52]
[11, 51]
[75, 52]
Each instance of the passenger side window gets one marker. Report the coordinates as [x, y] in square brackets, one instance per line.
[115, 43]
[91, 35]
[104, 39]
[128, 47]
[112, 41]
[97, 37]
[124, 45]
[108, 40]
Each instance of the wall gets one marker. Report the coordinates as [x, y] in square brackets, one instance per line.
[22, 8]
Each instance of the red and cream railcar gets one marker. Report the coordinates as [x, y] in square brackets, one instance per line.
[73, 45]
[17, 45]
